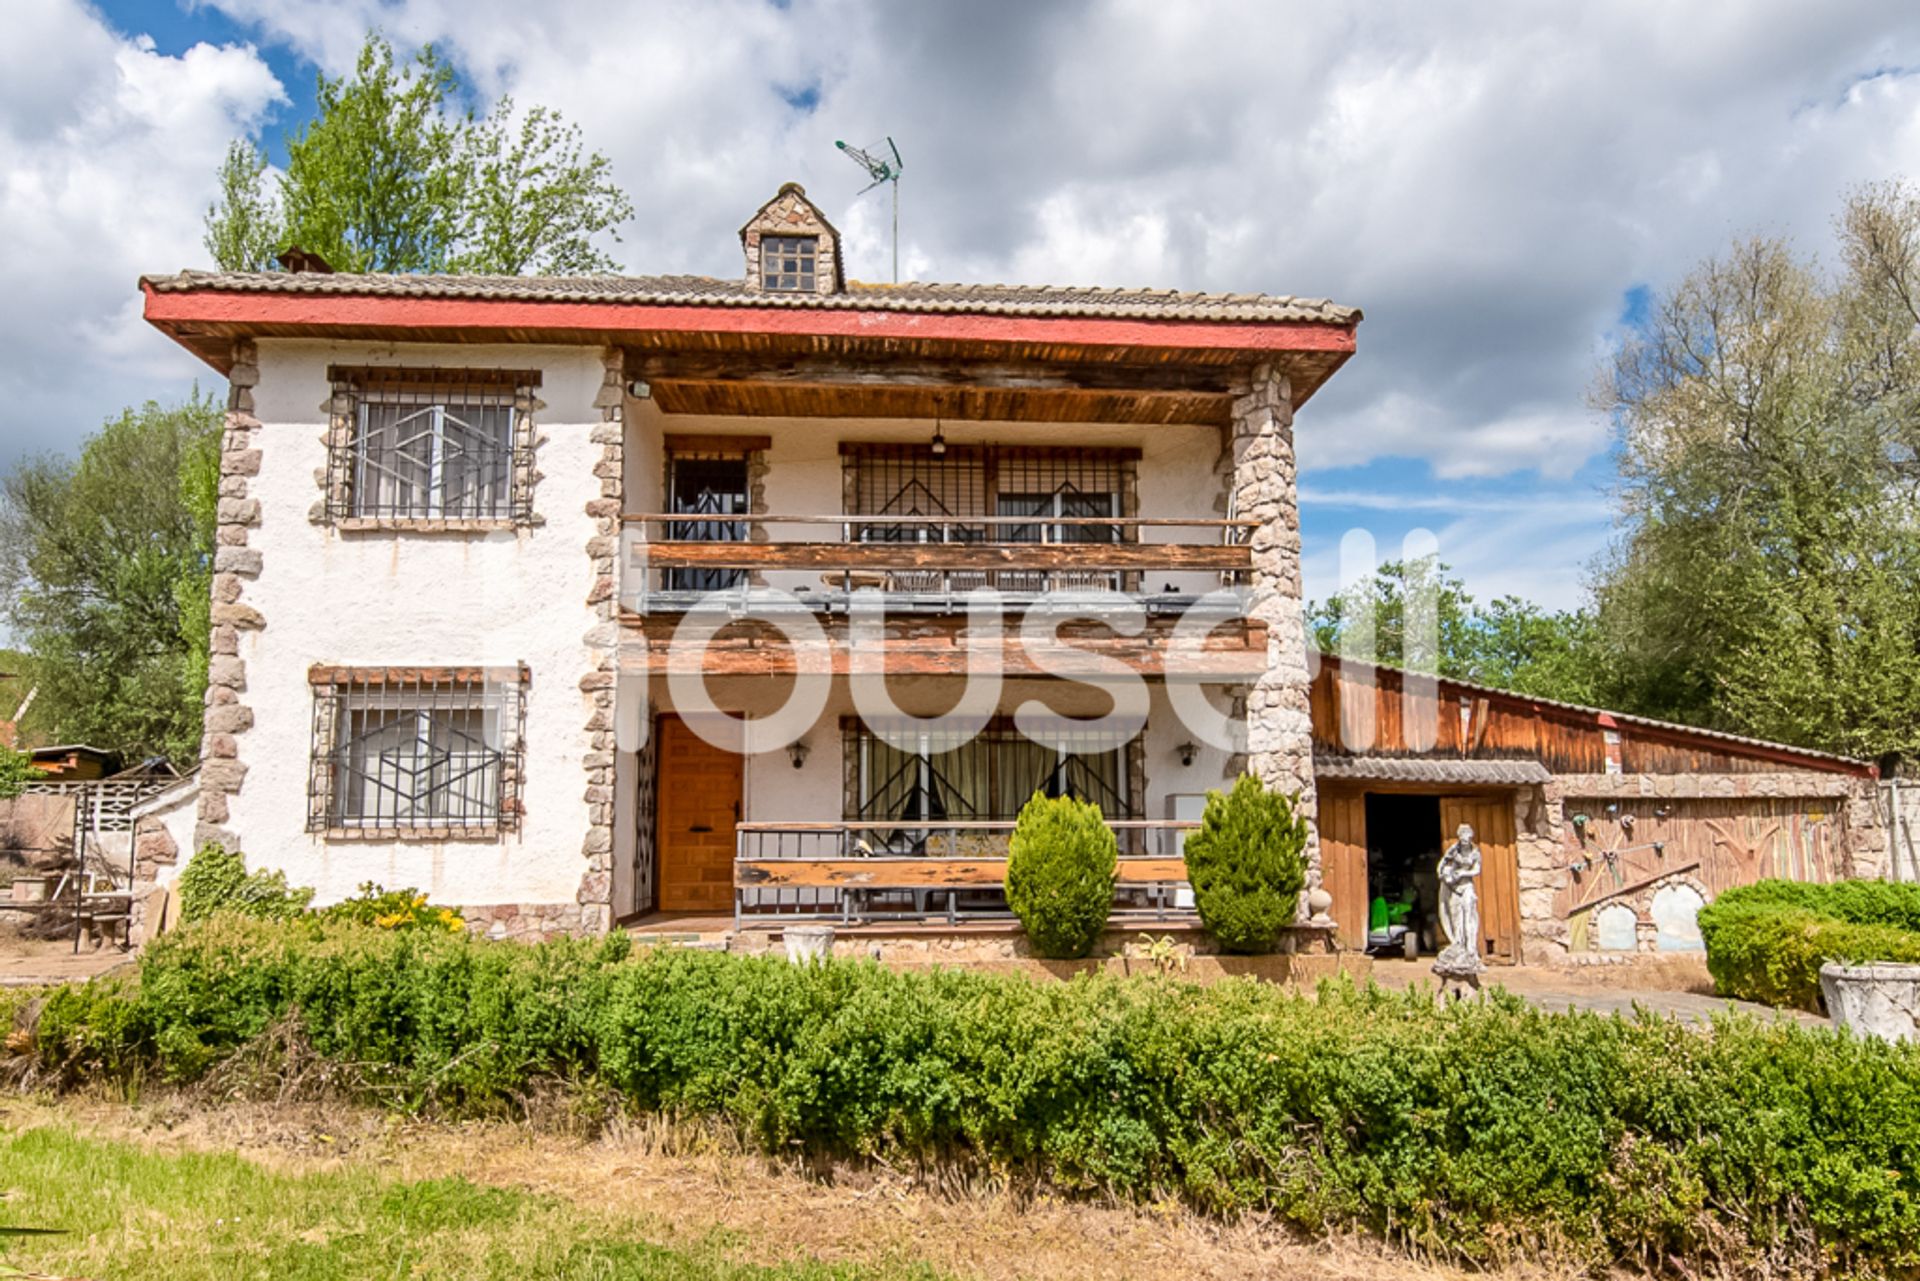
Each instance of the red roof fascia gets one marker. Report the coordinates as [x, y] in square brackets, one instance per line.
[327, 311]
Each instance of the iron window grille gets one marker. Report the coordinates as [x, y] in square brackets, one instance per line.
[787, 263]
[1051, 485]
[417, 751]
[988, 776]
[422, 445]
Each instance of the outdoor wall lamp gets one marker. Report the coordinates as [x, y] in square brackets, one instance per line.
[640, 389]
[1626, 824]
[797, 752]
[939, 444]
[1187, 752]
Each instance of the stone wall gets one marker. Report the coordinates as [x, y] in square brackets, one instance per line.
[601, 683]
[1703, 832]
[227, 717]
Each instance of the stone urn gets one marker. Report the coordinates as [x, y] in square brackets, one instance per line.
[1880, 999]
[808, 943]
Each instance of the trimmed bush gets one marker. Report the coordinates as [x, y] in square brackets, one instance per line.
[1473, 1129]
[1247, 864]
[1061, 865]
[1767, 941]
[216, 880]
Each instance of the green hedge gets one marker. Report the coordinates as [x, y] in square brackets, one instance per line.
[1767, 941]
[1479, 1127]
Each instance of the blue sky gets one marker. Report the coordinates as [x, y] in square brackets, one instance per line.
[1504, 187]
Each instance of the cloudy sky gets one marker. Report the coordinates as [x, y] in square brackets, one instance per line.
[1500, 185]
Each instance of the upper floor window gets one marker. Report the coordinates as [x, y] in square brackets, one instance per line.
[423, 445]
[787, 263]
[420, 751]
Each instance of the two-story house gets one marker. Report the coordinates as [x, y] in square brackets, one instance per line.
[576, 601]
[471, 529]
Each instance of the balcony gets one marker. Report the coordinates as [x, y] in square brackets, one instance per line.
[930, 564]
[856, 872]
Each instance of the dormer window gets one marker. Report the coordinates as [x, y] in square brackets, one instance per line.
[787, 263]
[791, 248]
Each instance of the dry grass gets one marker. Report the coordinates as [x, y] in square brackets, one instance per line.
[686, 1188]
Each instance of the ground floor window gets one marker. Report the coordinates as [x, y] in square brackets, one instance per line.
[416, 749]
[931, 777]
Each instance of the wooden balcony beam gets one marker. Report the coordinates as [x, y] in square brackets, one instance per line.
[920, 557]
[930, 872]
[831, 372]
[935, 645]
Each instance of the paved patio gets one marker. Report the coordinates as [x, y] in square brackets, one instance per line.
[1679, 991]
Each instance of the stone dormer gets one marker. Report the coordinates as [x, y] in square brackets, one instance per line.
[791, 247]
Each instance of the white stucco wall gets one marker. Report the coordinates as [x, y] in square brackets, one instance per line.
[428, 599]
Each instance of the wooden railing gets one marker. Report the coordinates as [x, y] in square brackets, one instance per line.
[911, 870]
[940, 556]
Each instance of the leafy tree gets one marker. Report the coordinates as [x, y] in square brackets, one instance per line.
[530, 202]
[1247, 865]
[1509, 644]
[16, 771]
[1766, 579]
[104, 564]
[244, 229]
[391, 177]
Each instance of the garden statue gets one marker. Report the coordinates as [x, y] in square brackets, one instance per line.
[1459, 961]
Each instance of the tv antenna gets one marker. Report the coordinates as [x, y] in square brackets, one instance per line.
[881, 169]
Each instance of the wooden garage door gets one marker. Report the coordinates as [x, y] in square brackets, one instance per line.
[1343, 861]
[1491, 818]
[698, 803]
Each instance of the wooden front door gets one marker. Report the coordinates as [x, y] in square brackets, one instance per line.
[697, 804]
[1343, 861]
[1491, 818]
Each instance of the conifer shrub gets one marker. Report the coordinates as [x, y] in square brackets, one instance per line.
[1247, 864]
[1061, 865]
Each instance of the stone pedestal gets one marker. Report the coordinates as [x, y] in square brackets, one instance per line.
[1880, 1000]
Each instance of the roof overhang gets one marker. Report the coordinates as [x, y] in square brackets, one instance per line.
[1098, 368]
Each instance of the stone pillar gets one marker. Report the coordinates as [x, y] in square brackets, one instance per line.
[595, 896]
[227, 717]
[1279, 723]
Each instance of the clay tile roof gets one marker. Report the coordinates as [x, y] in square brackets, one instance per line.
[1007, 300]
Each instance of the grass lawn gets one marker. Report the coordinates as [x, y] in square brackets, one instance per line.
[128, 1211]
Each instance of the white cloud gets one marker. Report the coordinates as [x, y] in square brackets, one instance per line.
[1485, 179]
[107, 157]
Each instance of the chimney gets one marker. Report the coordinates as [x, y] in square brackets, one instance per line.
[303, 261]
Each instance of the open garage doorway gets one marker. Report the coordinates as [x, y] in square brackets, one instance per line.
[1383, 842]
[1403, 887]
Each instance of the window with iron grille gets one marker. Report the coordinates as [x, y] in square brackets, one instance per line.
[987, 776]
[425, 445]
[787, 263]
[1058, 487]
[417, 750]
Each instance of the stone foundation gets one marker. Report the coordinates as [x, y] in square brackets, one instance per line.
[534, 922]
